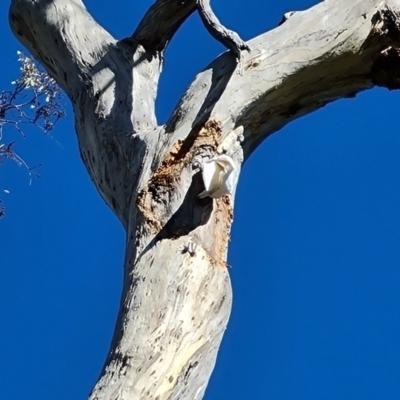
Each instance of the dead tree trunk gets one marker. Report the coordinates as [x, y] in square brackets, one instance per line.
[176, 295]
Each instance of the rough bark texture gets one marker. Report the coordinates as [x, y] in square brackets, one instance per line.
[176, 295]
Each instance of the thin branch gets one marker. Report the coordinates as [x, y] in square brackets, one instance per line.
[228, 38]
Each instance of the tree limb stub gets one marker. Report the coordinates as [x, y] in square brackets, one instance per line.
[176, 293]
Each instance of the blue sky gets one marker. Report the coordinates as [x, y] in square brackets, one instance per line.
[314, 251]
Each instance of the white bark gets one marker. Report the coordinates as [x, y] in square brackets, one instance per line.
[176, 296]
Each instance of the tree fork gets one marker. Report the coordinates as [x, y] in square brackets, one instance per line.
[176, 295]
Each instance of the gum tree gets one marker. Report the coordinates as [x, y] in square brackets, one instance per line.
[176, 295]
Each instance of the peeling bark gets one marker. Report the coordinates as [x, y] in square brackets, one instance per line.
[176, 295]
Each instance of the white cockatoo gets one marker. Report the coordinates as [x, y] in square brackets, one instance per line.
[217, 176]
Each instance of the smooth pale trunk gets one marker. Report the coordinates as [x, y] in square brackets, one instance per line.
[177, 296]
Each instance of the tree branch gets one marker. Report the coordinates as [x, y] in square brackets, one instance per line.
[228, 38]
[294, 69]
[160, 23]
[165, 17]
[112, 86]
[65, 29]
